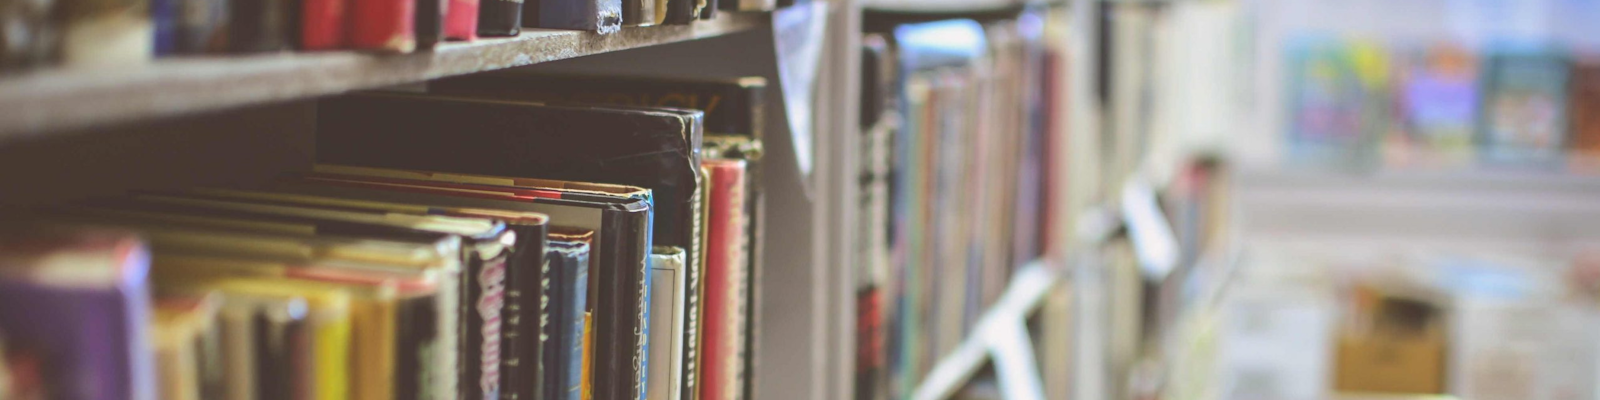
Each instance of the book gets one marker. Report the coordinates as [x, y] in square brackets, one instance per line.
[723, 315]
[1337, 99]
[1439, 102]
[323, 24]
[500, 17]
[747, 5]
[428, 26]
[568, 256]
[78, 303]
[263, 25]
[103, 33]
[461, 20]
[668, 323]
[621, 236]
[30, 38]
[682, 12]
[1523, 118]
[637, 13]
[598, 16]
[1584, 139]
[384, 25]
[203, 24]
[871, 256]
[181, 327]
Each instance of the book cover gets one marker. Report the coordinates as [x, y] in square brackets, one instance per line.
[622, 234]
[500, 17]
[723, 323]
[568, 255]
[78, 302]
[1524, 117]
[322, 24]
[1439, 102]
[383, 25]
[1337, 98]
[598, 16]
[668, 323]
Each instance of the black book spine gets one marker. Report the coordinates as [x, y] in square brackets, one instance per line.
[429, 22]
[599, 16]
[681, 12]
[526, 312]
[500, 17]
[262, 25]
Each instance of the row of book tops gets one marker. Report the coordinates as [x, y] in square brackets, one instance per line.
[119, 33]
[957, 131]
[536, 251]
[1306, 321]
[1365, 103]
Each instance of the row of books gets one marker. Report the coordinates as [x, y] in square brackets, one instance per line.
[956, 169]
[116, 33]
[1360, 102]
[502, 236]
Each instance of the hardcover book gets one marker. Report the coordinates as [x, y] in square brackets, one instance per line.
[428, 28]
[723, 313]
[1585, 97]
[568, 256]
[1523, 117]
[263, 25]
[384, 25]
[79, 303]
[668, 323]
[461, 20]
[322, 23]
[500, 17]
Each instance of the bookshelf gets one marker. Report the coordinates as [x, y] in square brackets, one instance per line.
[54, 100]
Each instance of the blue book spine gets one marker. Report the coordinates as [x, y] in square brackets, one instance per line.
[569, 266]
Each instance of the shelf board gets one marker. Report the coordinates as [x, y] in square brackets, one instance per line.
[1022, 297]
[950, 6]
[48, 101]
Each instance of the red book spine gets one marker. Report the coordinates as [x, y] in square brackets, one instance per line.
[461, 22]
[322, 24]
[383, 25]
[723, 335]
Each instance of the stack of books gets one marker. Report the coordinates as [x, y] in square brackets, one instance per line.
[497, 237]
[956, 155]
[118, 33]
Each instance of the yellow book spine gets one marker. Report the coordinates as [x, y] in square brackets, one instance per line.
[586, 391]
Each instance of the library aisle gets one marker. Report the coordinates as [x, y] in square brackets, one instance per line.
[799, 199]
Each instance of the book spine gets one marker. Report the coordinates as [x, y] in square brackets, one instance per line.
[638, 13]
[599, 16]
[382, 25]
[105, 33]
[569, 282]
[461, 20]
[483, 319]
[681, 12]
[723, 326]
[262, 25]
[428, 28]
[29, 35]
[499, 17]
[322, 24]
[202, 26]
[667, 324]
[522, 355]
[164, 22]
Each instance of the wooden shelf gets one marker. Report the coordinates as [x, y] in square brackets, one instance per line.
[48, 101]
